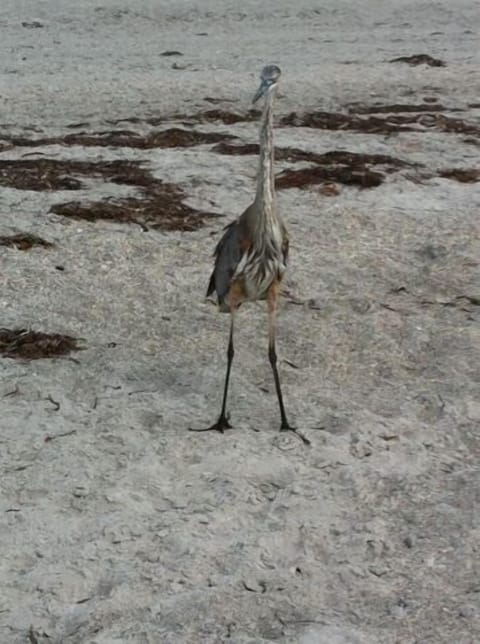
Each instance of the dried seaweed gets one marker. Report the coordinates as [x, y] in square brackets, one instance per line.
[211, 116]
[171, 138]
[238, 150]
[340, 166]
[328, 158]
[464, 175]
[228, 118]
[360, 176]
[215, 100]
[381, 125]
[38, 174]
[419, 59]
[355, 159]
[399, 108]
[207, 116]
[34, 345]
[23, 241]
[338, 121]
[56, 174]
[446, 124]
[161, 208]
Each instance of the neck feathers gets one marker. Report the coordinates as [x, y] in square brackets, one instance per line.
[266, 183]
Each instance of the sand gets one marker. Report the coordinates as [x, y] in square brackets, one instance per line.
[118, 524]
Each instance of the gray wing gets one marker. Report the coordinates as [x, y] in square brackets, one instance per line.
[228, 253]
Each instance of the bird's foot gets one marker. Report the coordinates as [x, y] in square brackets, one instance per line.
[285, 427]
[220, 426]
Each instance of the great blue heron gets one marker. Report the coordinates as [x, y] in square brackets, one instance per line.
[251, 256]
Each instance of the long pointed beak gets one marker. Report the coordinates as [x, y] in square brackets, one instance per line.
[260, 91]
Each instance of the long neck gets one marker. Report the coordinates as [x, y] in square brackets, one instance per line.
[265, 181]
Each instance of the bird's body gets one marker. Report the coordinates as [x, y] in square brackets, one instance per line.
[245, 268]
[252, 253]
[251, 257]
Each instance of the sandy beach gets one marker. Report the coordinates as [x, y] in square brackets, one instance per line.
[127, 142]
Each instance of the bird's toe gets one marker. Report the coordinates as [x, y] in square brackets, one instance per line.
[220, 426]
[285, 427]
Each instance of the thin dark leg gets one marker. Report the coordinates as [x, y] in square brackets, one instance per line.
[222, 422]
[230, 353]
[272, 356]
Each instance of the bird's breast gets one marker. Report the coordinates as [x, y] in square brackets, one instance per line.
[259, 268]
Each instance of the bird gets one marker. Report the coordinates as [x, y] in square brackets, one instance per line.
[251, 256]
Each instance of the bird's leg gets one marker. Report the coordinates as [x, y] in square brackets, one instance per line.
[272, 353]
[223, 418]
[222, 422]
[272, 356]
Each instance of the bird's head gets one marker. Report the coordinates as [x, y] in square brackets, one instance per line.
[268, 81]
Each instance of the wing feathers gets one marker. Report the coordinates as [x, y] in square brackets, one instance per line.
[228, 253]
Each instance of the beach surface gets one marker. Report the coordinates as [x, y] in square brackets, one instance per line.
[126, 145]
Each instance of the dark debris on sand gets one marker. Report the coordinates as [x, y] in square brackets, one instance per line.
[160, 209]
[327, 158]
[23, 344]
[419, 59]
[211, 116]
[339, 166]
[399, 108]
[23, 241]
[159, 206]
[171, 138]
[419, 122]
[58, 174]
[464, 175]
[361, 176]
